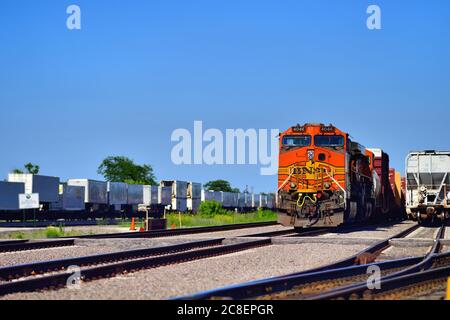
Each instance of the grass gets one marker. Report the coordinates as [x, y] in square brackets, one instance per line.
[217, 220]
[48, 233]
[198, 220]
[187, 221]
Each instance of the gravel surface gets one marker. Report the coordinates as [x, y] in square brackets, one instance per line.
[411, 246]
[424, 233]
[191, 277]
[403, 252]
[84, 247]
[381, 232]
[234, 233]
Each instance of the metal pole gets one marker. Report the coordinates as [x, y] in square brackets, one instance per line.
[448, 289]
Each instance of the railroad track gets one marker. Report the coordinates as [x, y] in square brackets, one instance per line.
[308, 283]
[178, 232]
[22, 245]
[55, 274]
[423, 275]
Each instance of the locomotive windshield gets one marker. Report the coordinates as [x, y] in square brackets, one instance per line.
[297, 141]
[329, 141]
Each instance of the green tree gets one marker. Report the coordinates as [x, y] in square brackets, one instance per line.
[29, 167]
[123, 169]
[220, 185]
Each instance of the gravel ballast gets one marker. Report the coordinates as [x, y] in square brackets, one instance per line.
[84, 247]
[191, 277]
[235, 233]
[379, 233]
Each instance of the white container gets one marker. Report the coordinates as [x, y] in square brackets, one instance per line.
[117, 193]
[71, 198]
[263, 201]
[245, 200]
[179, 188]
[194, 190]
[95, 192]
[151, 195]
[47, 187]
[230, 199]
[256, 201]
[179, 204]
[271, 201]
[135, 194]
[193, 204]
[165, 196]
[9, 195]
[211, 196]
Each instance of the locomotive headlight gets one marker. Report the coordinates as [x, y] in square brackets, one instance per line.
[311, 155]
[327, 185]
[293, 185]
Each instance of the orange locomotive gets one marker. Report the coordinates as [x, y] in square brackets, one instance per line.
[326, 179]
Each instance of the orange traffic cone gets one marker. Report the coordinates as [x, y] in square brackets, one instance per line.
[133, 225]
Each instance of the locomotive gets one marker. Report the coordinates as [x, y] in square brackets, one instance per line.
[327, 179]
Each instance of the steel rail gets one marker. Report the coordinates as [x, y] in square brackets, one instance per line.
[18, 271]
[343, 268]
[361, 289]
[33, 245]
[396, 287]
[426, 263]
[110, 270]
[8, 242]
[177, 232]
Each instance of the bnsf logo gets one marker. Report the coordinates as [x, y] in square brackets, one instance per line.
[307, 170]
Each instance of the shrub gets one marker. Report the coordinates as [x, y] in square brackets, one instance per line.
[53, 232]
[211, 209]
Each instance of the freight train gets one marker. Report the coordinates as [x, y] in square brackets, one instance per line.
[327, 179]
[427, 185]
[89, 199]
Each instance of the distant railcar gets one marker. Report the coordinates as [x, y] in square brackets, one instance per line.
[428, 185]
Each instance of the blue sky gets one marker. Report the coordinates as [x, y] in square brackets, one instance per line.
[140, 69]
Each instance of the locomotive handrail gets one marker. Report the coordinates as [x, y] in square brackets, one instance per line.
[340, 187]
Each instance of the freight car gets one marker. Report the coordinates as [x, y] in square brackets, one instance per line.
[194, 196]
[47, 187]
[95, 194]
[83, 199]
[179, 194]
[9, 195]
[327, 179]
[428, 185]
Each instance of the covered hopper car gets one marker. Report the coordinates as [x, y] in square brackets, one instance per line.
[428, 185]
